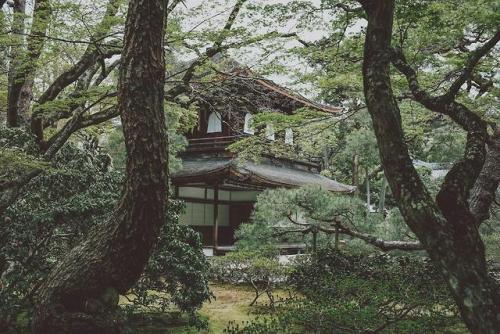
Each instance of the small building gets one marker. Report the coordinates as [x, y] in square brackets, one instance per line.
[219, 190]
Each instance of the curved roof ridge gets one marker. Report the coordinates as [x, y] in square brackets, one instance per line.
[247, 72]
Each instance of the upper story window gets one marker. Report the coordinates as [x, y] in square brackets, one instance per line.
[248, 127]
[270, 131]
[289, 136]
[214, 122]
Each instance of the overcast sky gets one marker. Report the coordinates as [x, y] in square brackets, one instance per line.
[214, 14]
[203, 15]
[218, 11]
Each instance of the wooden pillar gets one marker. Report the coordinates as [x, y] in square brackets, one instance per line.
[216, 217]
[381, 203]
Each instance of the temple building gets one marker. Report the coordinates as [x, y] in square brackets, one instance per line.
[220, 191]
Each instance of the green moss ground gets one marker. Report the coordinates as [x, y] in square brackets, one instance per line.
[231, 304]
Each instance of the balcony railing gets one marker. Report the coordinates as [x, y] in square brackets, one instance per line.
[219, 144]
[212, 144]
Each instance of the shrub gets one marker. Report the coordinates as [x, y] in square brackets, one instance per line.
[77, 191]
[177, 271]
[362, 294]
[259, 269]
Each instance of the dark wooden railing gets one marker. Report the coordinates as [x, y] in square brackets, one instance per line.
[212, 144]
[220, 144]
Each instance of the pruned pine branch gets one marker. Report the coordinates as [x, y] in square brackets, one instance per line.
[384, 245]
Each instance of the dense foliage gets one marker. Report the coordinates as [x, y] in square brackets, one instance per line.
[260, 269]
[78, 191]
[178, 270]
[360, 294]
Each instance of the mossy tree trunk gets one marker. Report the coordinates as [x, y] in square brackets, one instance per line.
[80, 294]
[15, 55]
[24, 63]
[446, 228]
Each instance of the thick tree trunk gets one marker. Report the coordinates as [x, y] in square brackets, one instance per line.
[484, 190]
[24, 62]
[15, 55]
[81, 292]
[448, 233]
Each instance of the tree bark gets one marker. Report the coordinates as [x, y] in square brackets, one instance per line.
[15, 55]
[448, 233]
[483, 193]
[80, 294]
[25, 63]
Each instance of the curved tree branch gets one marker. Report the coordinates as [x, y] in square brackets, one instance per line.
[384, 245]
[92, 55]
[217, 47]
[99, 117]
[451, 240]
[64, 80]
[11, 191]
[453, 196]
